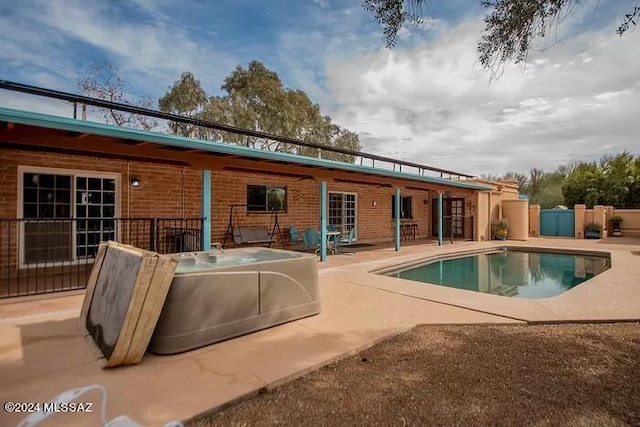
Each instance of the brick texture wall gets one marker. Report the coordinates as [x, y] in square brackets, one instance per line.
[161, 194]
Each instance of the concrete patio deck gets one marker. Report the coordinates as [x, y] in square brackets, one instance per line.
[42, 353]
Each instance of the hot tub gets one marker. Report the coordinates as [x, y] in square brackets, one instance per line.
[217, 295]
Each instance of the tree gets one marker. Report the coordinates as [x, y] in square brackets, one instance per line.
[105, 82]
[584, 186]
[186, 98]
[510, 27]
[521, 179]
[614, 181]
[255, 98]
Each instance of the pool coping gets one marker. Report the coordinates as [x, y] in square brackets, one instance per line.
[607, 296]
[44, 354]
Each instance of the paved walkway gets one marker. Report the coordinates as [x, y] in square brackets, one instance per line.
[42, 353]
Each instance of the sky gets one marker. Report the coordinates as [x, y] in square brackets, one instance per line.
[426, 100]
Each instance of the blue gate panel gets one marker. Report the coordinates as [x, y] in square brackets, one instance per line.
[557, 222]
[566, 223]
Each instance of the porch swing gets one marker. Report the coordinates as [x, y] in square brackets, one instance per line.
[251, 235]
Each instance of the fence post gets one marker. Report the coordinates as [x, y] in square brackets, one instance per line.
[152, 235]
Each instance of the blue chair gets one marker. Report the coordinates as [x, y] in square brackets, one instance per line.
[348, 241]
[293, 234]
[311, 240]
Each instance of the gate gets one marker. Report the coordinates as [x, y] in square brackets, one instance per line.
[557, 222]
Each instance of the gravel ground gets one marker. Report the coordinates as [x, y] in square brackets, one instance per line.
[565, 374]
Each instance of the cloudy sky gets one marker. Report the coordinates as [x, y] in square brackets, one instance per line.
[426, 100]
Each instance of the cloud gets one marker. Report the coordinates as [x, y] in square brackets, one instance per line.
[559, 107]
[425, 100]
[149, 50]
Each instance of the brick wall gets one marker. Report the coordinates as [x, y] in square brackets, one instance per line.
[161, 194]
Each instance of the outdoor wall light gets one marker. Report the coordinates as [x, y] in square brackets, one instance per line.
[374, 203]
[135, 182]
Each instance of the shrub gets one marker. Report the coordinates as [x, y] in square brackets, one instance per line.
[592, 226]
[615, 220]
[501, 224]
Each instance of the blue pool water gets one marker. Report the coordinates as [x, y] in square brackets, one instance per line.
[510, 273]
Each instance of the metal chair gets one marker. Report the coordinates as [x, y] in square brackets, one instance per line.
[348, 241]
[293, 234]
[311, 240]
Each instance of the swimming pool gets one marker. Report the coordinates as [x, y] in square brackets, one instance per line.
[509, 272]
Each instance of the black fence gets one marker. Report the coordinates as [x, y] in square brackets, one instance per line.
[39, 256]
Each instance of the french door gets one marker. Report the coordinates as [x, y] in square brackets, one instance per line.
[453, 217]
[343, 211]
[66, 214]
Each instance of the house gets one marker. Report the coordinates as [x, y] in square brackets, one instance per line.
[67, 184]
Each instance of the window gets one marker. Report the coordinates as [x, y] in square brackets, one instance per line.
[67, 214]
[262, 198]
[405, 208]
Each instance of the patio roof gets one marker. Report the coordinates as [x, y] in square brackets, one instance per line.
[189, 144]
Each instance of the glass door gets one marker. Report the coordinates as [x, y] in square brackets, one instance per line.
[343, 211]
[95, 213]
[457, 211]
[453, 219]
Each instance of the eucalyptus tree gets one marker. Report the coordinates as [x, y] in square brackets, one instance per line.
[255, 98]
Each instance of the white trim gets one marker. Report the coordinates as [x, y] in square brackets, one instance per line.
[355, 220]
[73, 173]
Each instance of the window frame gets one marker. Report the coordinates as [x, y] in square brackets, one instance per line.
[73, 173]
[266, 206]
[402, 201]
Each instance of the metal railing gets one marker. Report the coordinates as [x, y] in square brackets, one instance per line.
[360, 156]
[39, 256]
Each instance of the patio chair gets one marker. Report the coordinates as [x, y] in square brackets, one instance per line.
[311, 240]
[348, 241]
[293, 234]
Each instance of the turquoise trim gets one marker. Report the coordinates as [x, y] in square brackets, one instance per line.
[398, 204]
[101, 129]
[439, 219]
[323, 221]
[206, 210]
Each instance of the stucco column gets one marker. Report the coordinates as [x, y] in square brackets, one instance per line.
[579, 211]
[600, 217]
[534, 220]
[608, 214]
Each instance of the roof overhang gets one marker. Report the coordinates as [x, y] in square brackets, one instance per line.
[95, 137]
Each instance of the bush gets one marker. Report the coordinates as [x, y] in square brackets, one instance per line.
[501, 224]
[615, 220]
[592, 226]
